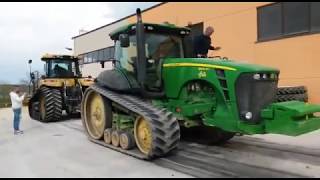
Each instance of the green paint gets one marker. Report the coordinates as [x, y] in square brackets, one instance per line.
[214, 102]
[122, 122]
[291, 118]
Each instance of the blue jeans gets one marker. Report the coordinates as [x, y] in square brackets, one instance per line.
[16, 119]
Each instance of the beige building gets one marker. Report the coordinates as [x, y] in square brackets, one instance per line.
[282, 35]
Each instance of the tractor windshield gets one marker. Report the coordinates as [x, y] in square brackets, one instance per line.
[158, 47]
[57, 68]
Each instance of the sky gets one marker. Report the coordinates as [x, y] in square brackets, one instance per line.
[30, 29]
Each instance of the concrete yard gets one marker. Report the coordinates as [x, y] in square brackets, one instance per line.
[61, 149]
[55, 150]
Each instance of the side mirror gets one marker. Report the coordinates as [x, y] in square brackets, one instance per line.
[124, 40]
[30, 61]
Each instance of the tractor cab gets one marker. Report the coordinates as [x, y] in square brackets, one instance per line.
[141, 53]
[61, 66]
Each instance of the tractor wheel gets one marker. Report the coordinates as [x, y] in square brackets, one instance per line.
[292, 90]
[127, 141]
[107, 136]
[33, 108]
[157, 137]
[292, 97]
[115, 138]
[50, 105]
[97, 114]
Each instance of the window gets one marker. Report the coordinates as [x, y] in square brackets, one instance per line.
[270, 21]
[89, 56]
[285, 19]
[94, 56]
[98, 55]
[315, 16]
[295, 17]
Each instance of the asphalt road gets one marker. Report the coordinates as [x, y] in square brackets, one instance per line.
[57, 150]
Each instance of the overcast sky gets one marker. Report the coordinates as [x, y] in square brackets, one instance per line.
[28, 30]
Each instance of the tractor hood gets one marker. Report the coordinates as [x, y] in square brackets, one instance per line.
[217, 63]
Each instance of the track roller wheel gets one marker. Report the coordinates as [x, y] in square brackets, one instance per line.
[127, 141]
[115, 138]
[107, 136]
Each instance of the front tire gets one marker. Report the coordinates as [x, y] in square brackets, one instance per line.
[50, 104]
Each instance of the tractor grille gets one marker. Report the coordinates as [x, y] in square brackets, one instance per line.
[255, 91]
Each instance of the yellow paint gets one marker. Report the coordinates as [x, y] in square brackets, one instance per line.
[48, 56]
[57, 82]
[143, 135]
[96, 115]
[86, 81]
[198, 65]
[235, 25]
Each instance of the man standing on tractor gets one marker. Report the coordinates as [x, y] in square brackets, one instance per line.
[202, 43]
[16, 100]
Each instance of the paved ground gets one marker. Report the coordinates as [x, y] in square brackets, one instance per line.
[63, 150]
[56, 150]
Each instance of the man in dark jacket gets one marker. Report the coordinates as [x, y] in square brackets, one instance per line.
[202, 43]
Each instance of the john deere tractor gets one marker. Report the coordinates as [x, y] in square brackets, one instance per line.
[155, 90]
[61, 88]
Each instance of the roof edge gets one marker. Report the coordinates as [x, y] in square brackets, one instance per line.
[126, 17]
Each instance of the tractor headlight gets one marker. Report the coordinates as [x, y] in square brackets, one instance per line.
[248, 115]
[256, 76]
[264, 76]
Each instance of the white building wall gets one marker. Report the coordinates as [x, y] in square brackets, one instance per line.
[94, 40]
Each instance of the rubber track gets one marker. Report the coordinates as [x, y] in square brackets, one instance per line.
[165, 124]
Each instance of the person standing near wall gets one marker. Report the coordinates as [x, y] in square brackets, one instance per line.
[202, 43]
[17, 98]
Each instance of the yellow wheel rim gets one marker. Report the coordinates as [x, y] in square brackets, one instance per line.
[143, 135]
[95, 115]
[42, 107]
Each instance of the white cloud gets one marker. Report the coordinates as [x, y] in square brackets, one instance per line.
[30, 29]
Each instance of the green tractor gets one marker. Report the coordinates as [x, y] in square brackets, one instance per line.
[155, 90]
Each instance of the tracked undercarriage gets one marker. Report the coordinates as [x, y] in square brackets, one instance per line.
[156, 131]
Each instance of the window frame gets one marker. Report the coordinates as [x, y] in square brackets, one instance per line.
[99, 53]
[283, 35]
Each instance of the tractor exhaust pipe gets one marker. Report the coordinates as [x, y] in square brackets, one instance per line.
[142, 60]
[141, 54]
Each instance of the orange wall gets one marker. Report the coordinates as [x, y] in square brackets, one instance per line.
[235, 25]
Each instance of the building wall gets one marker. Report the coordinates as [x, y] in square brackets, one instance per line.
[93, 41]
[235, 27]
[97, 39]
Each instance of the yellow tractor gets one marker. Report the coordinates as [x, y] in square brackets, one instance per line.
[61, 88]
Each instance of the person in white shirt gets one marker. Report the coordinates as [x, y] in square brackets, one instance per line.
[16, 100]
